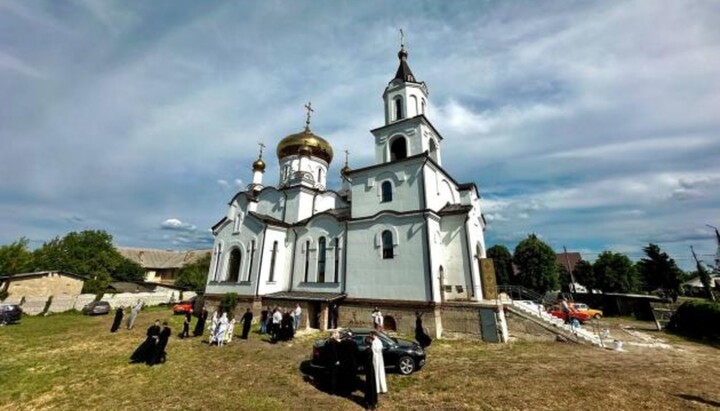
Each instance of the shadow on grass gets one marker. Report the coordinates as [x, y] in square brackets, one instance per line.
[696, 398]
[321, 381]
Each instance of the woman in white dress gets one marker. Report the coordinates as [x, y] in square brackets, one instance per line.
[230, 330]
[213, 325]
[221, 328]
[379, 364]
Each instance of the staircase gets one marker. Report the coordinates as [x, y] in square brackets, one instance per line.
[536, 312]
[519, 292]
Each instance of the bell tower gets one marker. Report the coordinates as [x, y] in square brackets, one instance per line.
[407, 131]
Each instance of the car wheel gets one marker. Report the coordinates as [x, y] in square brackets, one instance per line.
[406, 365]
[598, 316]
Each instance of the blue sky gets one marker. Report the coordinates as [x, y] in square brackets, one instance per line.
[593, 124]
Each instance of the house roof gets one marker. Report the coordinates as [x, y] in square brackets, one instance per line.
[155, 258]
[568, 259]
[697, 283]
[43, 273]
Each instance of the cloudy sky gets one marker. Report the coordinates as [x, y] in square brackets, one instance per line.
[593, 124]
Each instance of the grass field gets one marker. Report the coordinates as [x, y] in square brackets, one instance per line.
[71, 362]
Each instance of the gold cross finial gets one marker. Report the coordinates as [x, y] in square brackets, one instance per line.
[262, 146]
[309, 109]
[347, 157]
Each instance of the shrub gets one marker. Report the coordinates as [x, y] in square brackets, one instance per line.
[697, 319]
[228, 303]
[3, 295]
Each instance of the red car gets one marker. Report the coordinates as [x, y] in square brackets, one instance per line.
[580, 315]
[183, 306]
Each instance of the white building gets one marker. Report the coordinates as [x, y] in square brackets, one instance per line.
[401, 232]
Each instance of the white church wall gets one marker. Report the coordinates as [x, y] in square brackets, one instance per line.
[279, 278]
[299, 204]
[403, 277]
[367, 189]
[271, 203]
[440, 189]
[437, 255]
[457, 273]
[228, 238]
[328, 201]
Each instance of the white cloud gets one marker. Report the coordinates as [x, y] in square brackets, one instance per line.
[177, 225]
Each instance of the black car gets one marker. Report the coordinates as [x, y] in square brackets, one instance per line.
[400, 355]
[97, 308]
[10, 313]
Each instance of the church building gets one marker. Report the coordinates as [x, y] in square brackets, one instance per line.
[400, 234]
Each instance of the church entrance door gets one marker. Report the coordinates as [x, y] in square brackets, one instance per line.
[314, 314]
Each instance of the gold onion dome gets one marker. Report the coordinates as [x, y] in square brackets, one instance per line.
[258, 165]
[305, 143]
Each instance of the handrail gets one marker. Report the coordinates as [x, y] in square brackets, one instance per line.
[518, 292]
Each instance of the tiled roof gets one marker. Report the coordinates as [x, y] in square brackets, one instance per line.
[41, 274]
[571, 260]
[154, 258]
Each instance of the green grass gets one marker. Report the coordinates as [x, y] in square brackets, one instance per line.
[72, 362]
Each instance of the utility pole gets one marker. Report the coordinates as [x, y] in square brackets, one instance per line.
[716, 269]
[704, 276]
[572, 277]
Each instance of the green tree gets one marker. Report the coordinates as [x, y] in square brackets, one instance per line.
[535, 261]
[15, 258]
[615, 273]
[704, 277]
[194, 275]
[659, 271]
[502, 260]
[564, 278]
[584, 274]
[229, 303]
[89, 253]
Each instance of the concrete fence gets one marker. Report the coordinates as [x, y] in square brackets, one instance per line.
[61, 303]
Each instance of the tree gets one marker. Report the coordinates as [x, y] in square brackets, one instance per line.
[194, 275]
[584, 274]
[89, 253]
[659, 271]
[15, 258]
[704, 277]
[535, 261]
[564, 278]
[502, 260]
[615, 273]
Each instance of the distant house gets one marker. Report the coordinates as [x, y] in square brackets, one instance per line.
[568, 260]
[161, 266]
[695, 286]
[43, 284]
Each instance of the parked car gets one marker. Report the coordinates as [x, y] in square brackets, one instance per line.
[580, 315]
[183, 306]
[400, 355]
[97, 308]
[584, 308]
[10, 313]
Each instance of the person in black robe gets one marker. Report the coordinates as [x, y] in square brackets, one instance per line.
[159, 354]
[263, 319]
[186, 324]
[333, 316]
[287, 328]
[119, 313]
[420, 336]
[146, 351]
[332, 347]
[371, 395]
[246, 322]
[200, 325]
[348, 353]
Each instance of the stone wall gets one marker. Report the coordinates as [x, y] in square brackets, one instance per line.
[45, 285]
[526, 330]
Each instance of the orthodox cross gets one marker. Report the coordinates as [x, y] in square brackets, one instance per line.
[402, 38]
[309, 109]
[262, 146]
[347, 156]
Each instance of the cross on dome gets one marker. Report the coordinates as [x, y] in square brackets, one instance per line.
[310, 110]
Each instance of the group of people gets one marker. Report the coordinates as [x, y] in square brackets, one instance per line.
[222, 327]
[120, 313]
[280, 323]
[152, 350]
[344, 358]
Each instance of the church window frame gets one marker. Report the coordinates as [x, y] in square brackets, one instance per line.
[398, 148]
[307, 261]
[273, 260]
[398, 108]
[336, 271]
[388, 246]
[321, 260]
[386, 191]
[252, 259]
[218, 259]
[320, 173]
[415, 104]
[237, 224]
[234, 264]
[422, 106]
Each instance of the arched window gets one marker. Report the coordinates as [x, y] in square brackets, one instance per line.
[398, 149]
[433, 149]
[272, 261]
[336, 273]
[387, 245]
[386, 189]
[322, 247]
[234, 265]
[319, 175]
[218, 253]
[252, 258]
[414, 104]
[423, 106]
[307, 260]
[398, 108]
